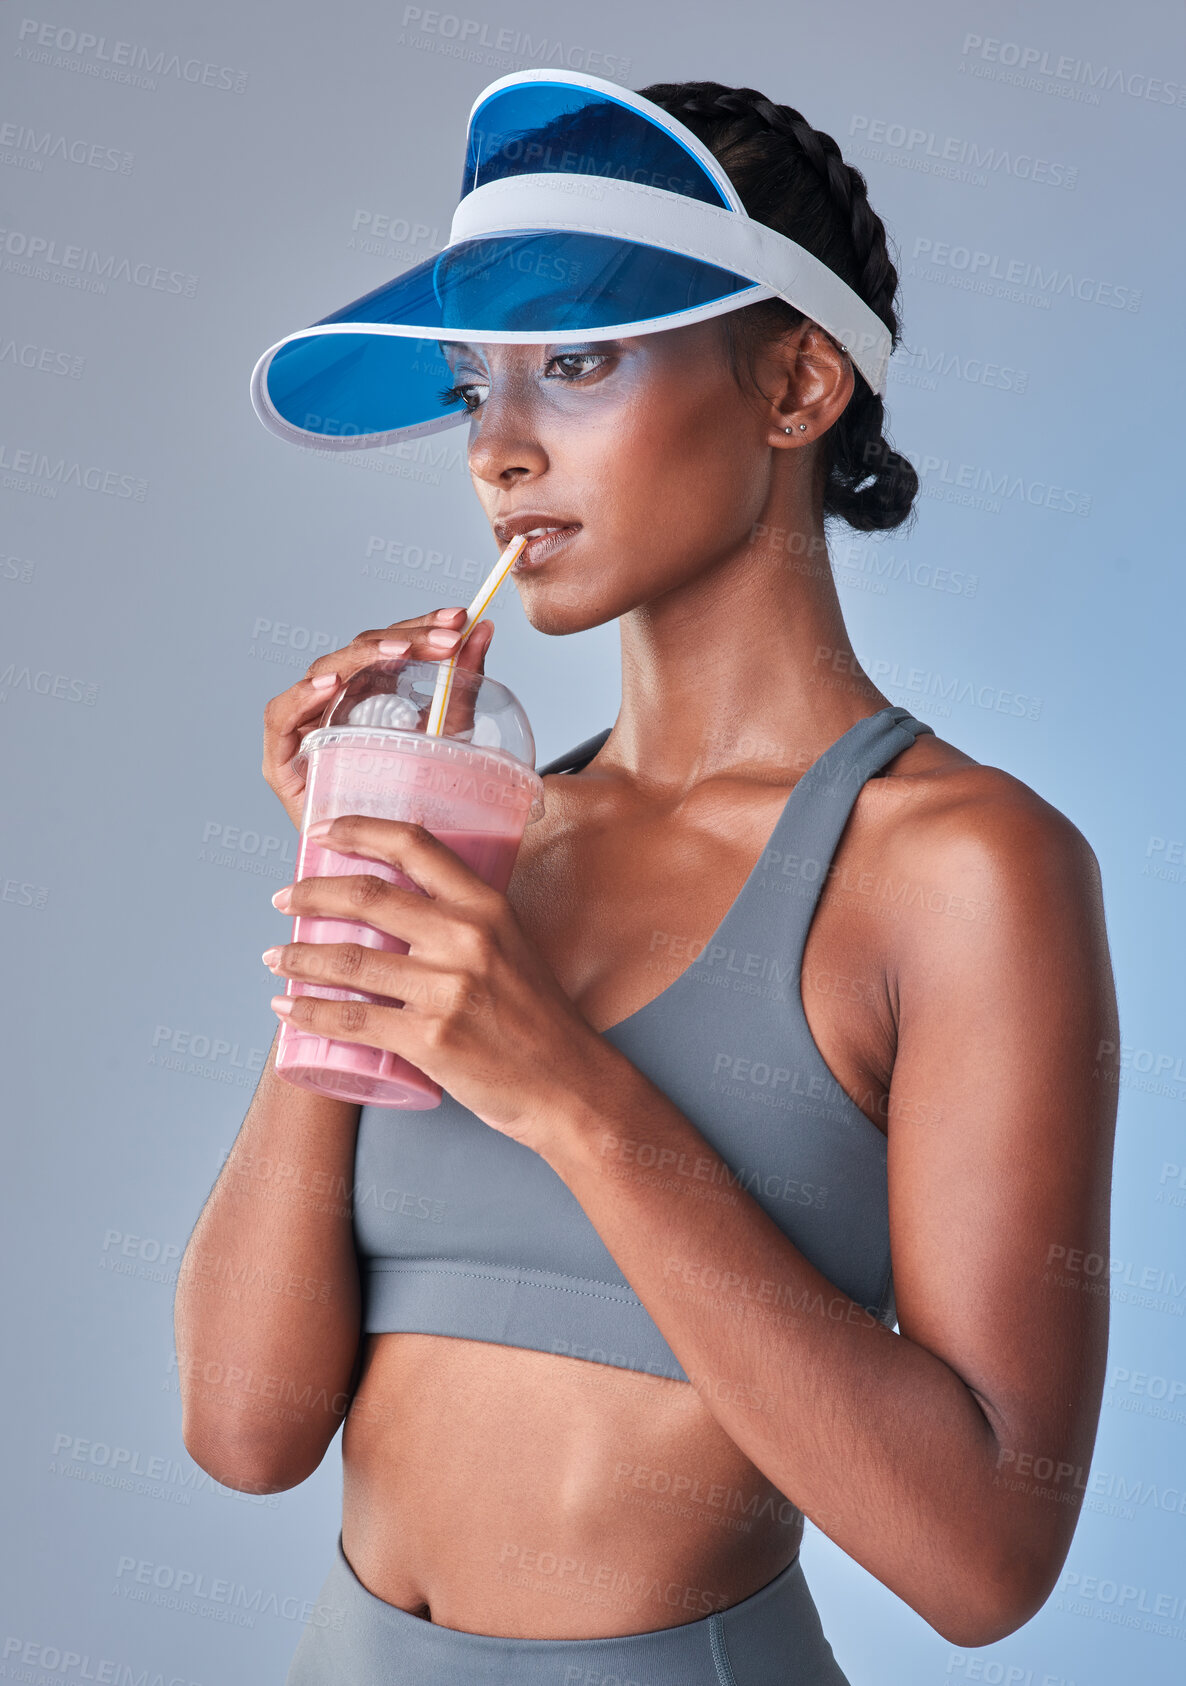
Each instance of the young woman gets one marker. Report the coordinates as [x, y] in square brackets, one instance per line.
[787, 1027]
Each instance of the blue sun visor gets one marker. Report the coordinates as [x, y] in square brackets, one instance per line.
[586, 212]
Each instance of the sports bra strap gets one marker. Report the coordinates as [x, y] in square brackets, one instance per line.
[781, 894]
[574, 759]
[777, 902]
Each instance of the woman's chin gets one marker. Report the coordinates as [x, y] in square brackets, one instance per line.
[557, 608]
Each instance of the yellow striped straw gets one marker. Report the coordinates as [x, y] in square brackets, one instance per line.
[444, 684]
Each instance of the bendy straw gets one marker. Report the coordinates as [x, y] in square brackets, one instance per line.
[444, 684]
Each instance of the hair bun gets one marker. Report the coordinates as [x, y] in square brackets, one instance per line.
[876, 494]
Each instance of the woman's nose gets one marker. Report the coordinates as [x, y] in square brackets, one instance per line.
[503, 441]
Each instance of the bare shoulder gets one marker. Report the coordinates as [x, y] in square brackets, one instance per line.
[944, 819]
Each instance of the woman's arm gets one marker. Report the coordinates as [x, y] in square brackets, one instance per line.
[949, 1460]
[267, 1311]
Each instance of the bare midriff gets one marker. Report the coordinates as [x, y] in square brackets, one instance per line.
[519, 1493]
[504, 1491]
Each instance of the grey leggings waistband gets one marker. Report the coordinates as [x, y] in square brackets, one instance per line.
[772, 1638]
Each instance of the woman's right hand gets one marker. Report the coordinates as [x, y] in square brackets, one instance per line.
[289, 717]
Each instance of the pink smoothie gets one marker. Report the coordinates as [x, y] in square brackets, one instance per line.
[352, 1071]
[476, 801]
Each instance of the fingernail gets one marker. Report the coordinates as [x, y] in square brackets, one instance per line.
[282, 897]
[441, 640]
[394, 646]
[282, 1004]
[318, 828]
[444, 614]
[270, 956]
[323, 681]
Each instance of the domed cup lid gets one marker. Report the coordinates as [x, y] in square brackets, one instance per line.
[394, 695]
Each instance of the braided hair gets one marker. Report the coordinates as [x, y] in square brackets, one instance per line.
[792, 178]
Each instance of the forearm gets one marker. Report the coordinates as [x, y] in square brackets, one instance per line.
[267, 1310]
[877, 1440]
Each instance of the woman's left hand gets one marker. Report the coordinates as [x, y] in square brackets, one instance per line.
[484, 1014]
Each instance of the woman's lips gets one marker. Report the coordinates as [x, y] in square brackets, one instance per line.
[542, 546]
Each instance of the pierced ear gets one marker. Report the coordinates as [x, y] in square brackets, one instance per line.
[804, 377]
[824, 379]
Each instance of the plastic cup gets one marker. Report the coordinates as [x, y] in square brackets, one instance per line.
[473, 786]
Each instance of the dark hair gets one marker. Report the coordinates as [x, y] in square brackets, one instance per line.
[792, 178]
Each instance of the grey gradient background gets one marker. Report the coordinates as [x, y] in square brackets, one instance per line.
[166, 566]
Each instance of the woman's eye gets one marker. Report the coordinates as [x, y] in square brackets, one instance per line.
[575, 365]
[463, 391]
[578, 357]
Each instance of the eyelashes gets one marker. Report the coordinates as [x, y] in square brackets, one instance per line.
[453, 394]
[450, 395]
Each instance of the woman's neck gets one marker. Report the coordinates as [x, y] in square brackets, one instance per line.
[749, 663]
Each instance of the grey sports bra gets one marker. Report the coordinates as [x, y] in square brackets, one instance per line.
[462, 1231]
